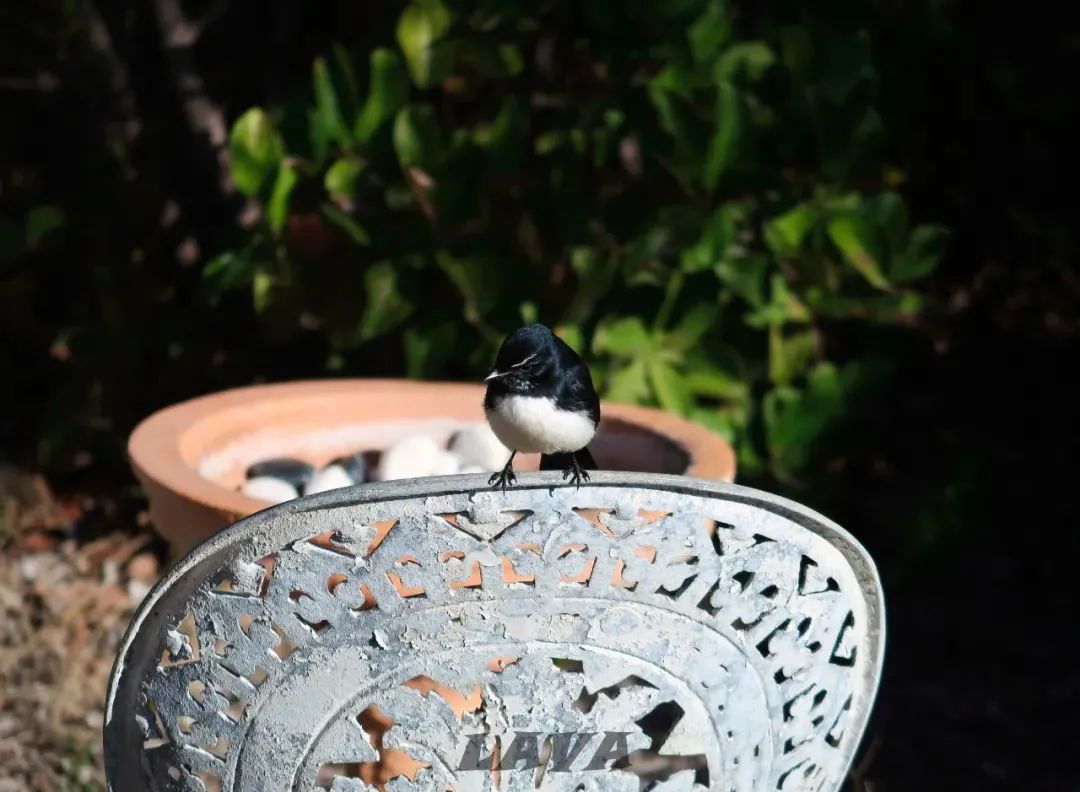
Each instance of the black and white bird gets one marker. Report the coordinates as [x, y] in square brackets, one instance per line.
[540, 399]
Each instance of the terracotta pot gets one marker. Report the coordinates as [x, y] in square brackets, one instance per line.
[191, 457]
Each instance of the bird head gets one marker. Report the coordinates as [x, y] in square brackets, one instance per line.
[525, 361]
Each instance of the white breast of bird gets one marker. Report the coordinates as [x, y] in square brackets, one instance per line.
[534, 425]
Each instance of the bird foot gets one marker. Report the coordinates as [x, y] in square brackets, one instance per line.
[576, 473]
[504, 478]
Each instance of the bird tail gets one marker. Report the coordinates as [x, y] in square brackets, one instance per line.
[563, 459]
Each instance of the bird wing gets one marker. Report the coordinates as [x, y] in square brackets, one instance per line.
[579, 393]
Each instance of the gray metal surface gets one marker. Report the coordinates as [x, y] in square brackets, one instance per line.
[751, 624]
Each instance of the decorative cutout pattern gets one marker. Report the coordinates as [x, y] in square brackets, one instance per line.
[733, 638]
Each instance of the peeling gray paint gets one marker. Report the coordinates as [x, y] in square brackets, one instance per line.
[248, 666]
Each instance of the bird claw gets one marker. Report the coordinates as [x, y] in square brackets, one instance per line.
[576, 473]
[503, 479]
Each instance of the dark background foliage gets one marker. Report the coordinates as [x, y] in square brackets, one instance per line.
[841, 234]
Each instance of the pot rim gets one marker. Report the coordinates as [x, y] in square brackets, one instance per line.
[155, 452]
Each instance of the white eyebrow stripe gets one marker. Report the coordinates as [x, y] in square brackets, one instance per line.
[526, 360]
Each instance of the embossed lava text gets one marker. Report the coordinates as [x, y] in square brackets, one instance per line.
[562, 752]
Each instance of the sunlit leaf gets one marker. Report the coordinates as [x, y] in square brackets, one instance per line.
[571, 334]
[277, 207]
[422, 24]
[388, 92]
[262, 291]
[621, 337]
[705, 379]
[628, 384]
[751, 58]
[710, 31]
[854, 236]
[668, 385]
[255, 151]
[785, 234]
[790, 355]
[342, 177]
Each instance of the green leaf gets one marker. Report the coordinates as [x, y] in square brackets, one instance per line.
[341, 178]
[262, 291]
[797, 421]
[727, 422]
[255, 151]
[42, 221]
[621, 337]
[691, 326]
[784, 306]
[628, 384]
[346, 223]
[384, 307]
[790, 356]
[854, 236]
[277, 208]
[571, 334]
[668, 386]
[388, 93]
[595, 274]
[507, 134]
[417, 140]
[419, 29]
[428, 349]
[704, 378]
[724, 144]
[784, 234]
[924, 250]
[709, 32]
[892, 307]
[890, 216]
[745, 276]
[512, 60]
[477, 279]
[232, 269]
[752, 58]
[327, 114]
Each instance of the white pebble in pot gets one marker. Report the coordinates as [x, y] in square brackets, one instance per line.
[445, 463]
[342, 472]
[408, 458]
[477, 445]
[269, 489]
[329, 478]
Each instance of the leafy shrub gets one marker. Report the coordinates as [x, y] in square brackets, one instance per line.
[689, 204]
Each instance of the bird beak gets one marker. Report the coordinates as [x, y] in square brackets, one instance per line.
[494, 375]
